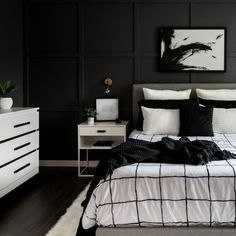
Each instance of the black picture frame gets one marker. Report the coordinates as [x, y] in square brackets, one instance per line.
[192, 49]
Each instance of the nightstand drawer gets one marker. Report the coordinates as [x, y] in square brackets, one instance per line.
[18, 124]
[18, 147]
[18, 169]
[101, 131]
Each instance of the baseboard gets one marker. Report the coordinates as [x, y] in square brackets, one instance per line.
[66, 163]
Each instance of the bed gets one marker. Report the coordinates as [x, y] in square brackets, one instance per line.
[187, 203]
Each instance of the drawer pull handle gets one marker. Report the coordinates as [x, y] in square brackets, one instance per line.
[101, 131]
[21, 146]
[23, 167]
[22, 124]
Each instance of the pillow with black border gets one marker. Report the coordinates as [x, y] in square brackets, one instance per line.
[165, 104]
[217, 103]
[196, 121]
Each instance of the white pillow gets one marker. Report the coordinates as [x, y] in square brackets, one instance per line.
[224, 120]
[154, 94]
[160, 121]
[217, 94]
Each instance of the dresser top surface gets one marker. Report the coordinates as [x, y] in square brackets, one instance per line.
[15, 110]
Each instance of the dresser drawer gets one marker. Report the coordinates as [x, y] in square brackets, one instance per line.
[101, 131]
[18, 147]
[17, 169]
[18, 124]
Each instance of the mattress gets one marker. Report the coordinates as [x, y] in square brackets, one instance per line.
[159, 194]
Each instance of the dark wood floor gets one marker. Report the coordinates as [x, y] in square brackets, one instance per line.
[33, 208]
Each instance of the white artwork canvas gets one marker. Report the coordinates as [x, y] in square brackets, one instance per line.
[107, 109]
[192, 49]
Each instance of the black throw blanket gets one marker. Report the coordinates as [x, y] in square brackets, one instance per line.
[182, 151]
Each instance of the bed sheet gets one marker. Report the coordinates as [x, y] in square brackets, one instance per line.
[155, 194]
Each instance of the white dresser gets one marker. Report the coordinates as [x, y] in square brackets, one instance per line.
[19, 147]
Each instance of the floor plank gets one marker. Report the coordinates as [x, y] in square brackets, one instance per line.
[34, 207]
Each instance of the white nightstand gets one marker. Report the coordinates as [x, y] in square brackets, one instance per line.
[88, 135]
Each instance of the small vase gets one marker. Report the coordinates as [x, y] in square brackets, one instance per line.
[90, 120]
[6, 103]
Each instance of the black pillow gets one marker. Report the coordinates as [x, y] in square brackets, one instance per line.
[165, 104]
[196, 121]
[217, 103]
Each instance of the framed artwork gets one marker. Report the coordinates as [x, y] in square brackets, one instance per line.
[107, 109]
[192, 49]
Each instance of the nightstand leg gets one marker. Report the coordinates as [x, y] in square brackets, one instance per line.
[79, 163]
[87, 158]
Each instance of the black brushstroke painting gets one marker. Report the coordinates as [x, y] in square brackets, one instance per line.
[192, 49]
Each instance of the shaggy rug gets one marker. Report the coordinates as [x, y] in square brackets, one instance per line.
[68, 223]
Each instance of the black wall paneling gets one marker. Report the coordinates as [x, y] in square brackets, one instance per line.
[155, 15]
[53, 83]
[11, 46]
[53, 28]
[108, 27]
[58, 137]
[71, 45]
[54, 61]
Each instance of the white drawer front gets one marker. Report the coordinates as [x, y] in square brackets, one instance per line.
[101, 131]
[15, 148]
[17, 169]
[18, 124]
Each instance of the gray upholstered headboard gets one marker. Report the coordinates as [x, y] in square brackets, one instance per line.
[138, 91]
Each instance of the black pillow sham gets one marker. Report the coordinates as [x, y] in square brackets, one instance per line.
[164, 104]
[196, 121]
[217, 103]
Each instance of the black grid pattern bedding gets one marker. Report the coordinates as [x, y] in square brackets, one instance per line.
[154, 194]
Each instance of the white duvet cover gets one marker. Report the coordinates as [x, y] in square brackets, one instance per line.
[167, 194]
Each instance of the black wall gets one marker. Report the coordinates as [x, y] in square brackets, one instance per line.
[72, 45]
[11, 46]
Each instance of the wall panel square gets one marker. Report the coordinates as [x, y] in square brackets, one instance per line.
[121, 70]
[109, 27]
[53, 28]
[58, 135]
[154, 16]
[53, 83]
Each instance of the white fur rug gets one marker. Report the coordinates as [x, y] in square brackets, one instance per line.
[68, 223]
